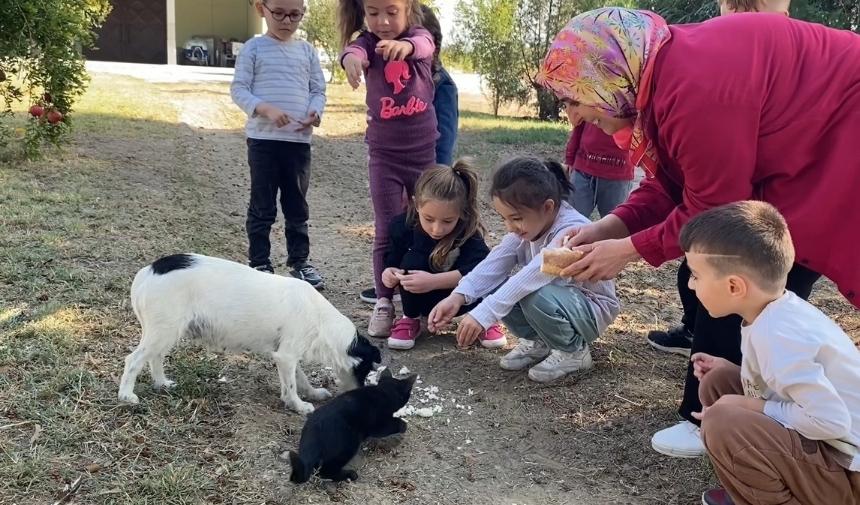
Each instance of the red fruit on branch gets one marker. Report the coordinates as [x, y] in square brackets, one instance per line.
[55, 116]
[37, 111]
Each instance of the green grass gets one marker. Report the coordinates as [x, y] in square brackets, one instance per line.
[514, 131]
[75, 226]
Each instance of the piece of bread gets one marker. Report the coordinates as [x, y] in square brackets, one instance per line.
[558, 258]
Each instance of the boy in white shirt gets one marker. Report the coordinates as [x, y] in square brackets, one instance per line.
[784, 427]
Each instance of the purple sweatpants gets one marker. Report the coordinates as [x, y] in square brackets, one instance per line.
[391, 173]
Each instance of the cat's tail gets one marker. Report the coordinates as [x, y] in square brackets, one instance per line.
[301, 470]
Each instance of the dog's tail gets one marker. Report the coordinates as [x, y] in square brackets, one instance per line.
[301, 470]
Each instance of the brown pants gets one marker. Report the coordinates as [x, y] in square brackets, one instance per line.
[760, 462]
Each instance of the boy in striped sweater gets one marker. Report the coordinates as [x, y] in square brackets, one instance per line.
[280, 85]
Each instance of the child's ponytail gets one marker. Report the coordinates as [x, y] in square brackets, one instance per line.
[457, 184]
[350, 19]
[557, 170]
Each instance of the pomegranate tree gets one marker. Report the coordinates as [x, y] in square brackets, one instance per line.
[42, 68]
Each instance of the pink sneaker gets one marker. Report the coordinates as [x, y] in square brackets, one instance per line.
[493, 338]
[403, 333]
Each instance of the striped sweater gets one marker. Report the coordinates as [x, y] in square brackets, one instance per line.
[495, 271]
[285, 74]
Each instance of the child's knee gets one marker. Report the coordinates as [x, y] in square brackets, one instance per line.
[720, 428]
[538, 305]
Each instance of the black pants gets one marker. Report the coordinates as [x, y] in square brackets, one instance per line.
[282, 166]
[416, 305]
[721, 336]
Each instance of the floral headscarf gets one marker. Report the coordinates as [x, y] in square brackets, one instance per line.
[604, 59]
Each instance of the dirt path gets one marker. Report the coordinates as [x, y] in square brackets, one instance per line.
[499, 438]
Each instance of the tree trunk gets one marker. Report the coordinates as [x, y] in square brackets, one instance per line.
[548, 105]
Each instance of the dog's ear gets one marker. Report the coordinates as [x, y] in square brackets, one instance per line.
[386, 374]
[375, 354]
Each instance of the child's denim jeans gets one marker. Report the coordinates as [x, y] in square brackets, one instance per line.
[590, 192]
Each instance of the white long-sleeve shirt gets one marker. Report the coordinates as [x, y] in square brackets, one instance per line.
[808, 372]
[285, 74]
[513, 252]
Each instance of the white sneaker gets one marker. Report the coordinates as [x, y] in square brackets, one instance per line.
[525, 354]
[561, 363]
[680, 441]
[381, 320]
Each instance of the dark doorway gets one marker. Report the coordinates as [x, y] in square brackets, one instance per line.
[135, 32]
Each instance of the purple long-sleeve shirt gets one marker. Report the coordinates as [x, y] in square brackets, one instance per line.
[400, 114]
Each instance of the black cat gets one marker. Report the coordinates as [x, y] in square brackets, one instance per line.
[334, 432]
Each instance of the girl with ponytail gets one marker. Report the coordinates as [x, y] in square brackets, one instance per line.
[554, 318]
[432, 246]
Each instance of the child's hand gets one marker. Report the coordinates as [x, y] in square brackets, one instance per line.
[468, 331]
[394, 50]
[313, 119]
[704, 363]
[418, 281]
[273, 114]
[444, 312]
[354, 67]
[390, 277]
[700, 415]
[742, 401]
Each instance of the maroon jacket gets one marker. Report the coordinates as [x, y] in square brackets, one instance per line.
[756, 106]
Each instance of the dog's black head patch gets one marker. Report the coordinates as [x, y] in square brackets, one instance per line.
[170, 263]
[367, 353]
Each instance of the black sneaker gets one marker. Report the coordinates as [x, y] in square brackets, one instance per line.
[307, 273]
[677, 340]
[265, 268]
[369, 296]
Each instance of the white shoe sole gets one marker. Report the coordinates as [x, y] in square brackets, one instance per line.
[494, 344]
[400, 345]
[537, 377]
[676, 453]
[682, 351]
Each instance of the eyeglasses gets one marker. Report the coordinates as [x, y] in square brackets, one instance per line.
[295, 17]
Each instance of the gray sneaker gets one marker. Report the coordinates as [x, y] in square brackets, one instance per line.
[525, 354]
[381, 320]
[561, 363]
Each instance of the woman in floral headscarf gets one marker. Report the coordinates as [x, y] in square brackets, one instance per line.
[748, 106]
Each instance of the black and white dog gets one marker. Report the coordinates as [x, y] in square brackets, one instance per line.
[228, 306]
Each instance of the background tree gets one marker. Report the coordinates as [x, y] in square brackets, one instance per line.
[320, 26]
[41, 61]
[486, 31]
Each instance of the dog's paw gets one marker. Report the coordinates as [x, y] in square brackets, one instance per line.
[167, 384]
[303, 408]
[129, 398]
[318, 394]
